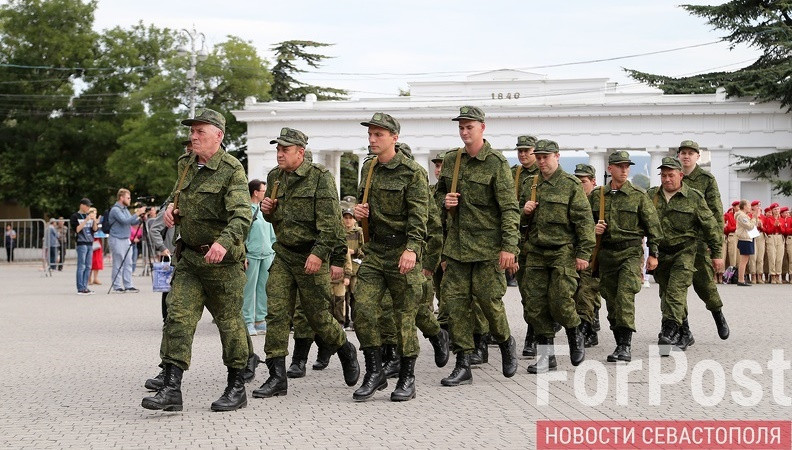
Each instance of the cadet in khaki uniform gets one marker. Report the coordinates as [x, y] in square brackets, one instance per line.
[704, 276]
[213, 212]
[523, 174]
[304, 212]
[756, 261]
[629, 216]
[396, 210]
[587, 295]
[773, 228]
[482, 219]
[559, 244]
[684, 219]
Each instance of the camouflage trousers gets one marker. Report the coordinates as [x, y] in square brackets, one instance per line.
[218, 287]
[704, 278]
[442, 310]
[550, 281]
[425, 319]
[620, 280]
[674, 275]
[377, 276]
[470, 284]
[302, 329]
[288, 279]
[587, 295]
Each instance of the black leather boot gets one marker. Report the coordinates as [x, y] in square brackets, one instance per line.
[169, 397]
[577, 348]
[480, 353]
[323, 355]
[299, 357]
[374, 380]
[669, 335]
[461, 373]
[546, 360]
[623, 338]
[529, 348]
[685, 336]
[440, 346]
[596, 325]
[508, 350]
[405, 387]
[277, 384]
[234, 396]
[720, 322]
[156, 383]
[391, 361]
[250, 370]
[347, 354]
[590, 338]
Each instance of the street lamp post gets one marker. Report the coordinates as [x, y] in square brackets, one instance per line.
[195, 56]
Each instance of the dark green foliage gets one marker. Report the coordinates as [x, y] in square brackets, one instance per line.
[285, 87]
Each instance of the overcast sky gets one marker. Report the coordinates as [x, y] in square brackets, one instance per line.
[447, 40]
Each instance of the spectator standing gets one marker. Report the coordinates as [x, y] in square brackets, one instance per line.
[745, 243]
[62, 238]
[10, 243]
[135, 237]
[97, 258]
[54, 244]
[121, 222]
[259, 258]
[84, 223]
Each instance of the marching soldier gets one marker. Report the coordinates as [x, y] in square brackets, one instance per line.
[628, 216]
[685, 219]
[587, 295]
[302, 205]
[559, 245]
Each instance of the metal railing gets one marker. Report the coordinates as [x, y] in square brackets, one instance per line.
[29, 242]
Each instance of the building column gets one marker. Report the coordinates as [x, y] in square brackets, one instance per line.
[597, 160]
[657, 156]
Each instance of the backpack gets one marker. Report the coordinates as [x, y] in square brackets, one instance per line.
[105, 223]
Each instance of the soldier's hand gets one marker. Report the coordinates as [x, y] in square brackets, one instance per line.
[651, 263]
[168, 217]
[347, 281]
[406, 262]
[443, 265]
[268, 205]
[581, 264]
[215, 254]
[361, 211]
[514, 268]
[717, 264]
[336, 273]
[312, 264]
[530, 207]
[427, 273]
[451, 200]
[600, 227]
[507, 260]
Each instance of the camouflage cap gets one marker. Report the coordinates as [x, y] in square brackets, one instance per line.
[670, 162]
[209, 116]
[544, 146]
[526, 141]
[289, 137]
[439, 157]
[585, 170]
[619, 157]
[349, 199]
[693, 145]
[404, 148]
[383, 120]
[470, 113]
[349, 211]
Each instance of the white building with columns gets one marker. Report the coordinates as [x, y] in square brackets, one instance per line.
[588, 115]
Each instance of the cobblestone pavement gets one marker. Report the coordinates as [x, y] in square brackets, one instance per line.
[73, 368]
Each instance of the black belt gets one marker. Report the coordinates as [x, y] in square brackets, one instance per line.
[305, 247]
[389, 240]
[202, 249]
[85, 243]
[622, 245]
[672, 249]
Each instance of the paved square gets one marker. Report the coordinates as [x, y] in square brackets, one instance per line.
[73, 369]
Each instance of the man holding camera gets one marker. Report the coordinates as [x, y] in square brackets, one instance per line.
[121, 222]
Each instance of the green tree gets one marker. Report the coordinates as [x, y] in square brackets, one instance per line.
[762, 24]
[285, 87]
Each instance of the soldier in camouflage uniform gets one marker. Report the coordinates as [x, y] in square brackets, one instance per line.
[587, 295]
[304, 212]
[396, 210]
[482, 242]
[559, 244]
[704, 276]
[523, 174]
[213, 212]
[629, 216]
[685, 219]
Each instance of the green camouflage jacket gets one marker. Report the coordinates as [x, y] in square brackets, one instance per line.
[705, 182]
[685, 218]
[629, 214]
